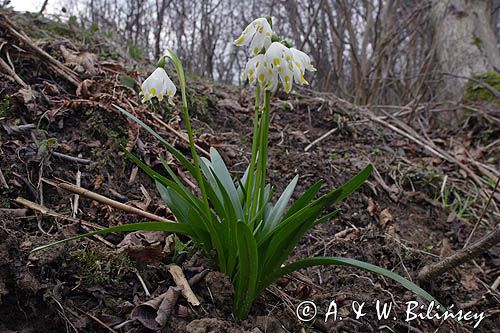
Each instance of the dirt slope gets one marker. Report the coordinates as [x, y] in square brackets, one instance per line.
[57, 122]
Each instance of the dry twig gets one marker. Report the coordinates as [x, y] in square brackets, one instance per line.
[181, 281]
[481, 246]
[321, 138]
[7, 25]
[102, 199]
[9, 72]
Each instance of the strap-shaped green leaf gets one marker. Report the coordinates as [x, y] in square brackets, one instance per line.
[176, 184]
[288, 233]
[338, 261]
[246, 278]
[304, 199]
[222, 173]
[277, 211]
[141, 226]
[187, 213]
[177, 154]
[321, 203]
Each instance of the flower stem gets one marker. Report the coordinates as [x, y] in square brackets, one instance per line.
[249, 183]
[264, 144]
[210, 221]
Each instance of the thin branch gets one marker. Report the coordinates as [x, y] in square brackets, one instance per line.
[102, 199]
[429, 272]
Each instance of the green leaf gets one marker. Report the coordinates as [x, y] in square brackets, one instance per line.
[177, 154]
[304, 199]
[246, 278]
[128, 81]
[338, 261]
[186, 213]
[287, 234]
[177, 185]
[220, 170]
[277, 211]
[146, 226]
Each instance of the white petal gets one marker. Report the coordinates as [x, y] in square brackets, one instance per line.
[246, 35]
[302, 59]
[257, 42]
[157, 85]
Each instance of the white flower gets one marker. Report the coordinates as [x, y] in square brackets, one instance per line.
[158, 84]
[301, 62]
[280, 58]
[279, 63]
[258, 34]
[253, 65]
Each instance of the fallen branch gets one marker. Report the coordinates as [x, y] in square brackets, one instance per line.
[429, 272]
[72, 158]
[44, 210]
[9, 72]
[107, 201]
[47, 211]
[429, 146]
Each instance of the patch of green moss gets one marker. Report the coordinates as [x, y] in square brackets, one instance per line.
[199, 105]
[476, 92]
[5, 106]
[477, 41]
[98, 266]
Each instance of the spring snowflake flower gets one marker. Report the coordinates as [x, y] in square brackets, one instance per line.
[258, 34]
[279, 58]
[301, 63]
[278, 64]
[158, 85]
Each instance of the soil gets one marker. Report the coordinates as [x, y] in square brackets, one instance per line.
[92, 285]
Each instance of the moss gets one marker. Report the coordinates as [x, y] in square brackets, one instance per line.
[477, 41]
[99, 266]
[478, 93]
[199, 106]
[5, 106]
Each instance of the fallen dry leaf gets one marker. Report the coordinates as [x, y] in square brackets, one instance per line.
[144, 246]
[385, 218]
[80, 61]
